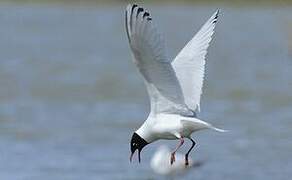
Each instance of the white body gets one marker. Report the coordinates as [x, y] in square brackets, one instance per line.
[174, 86]
[160, 163]
[170, 126]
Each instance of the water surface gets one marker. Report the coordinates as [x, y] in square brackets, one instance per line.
[70, 96]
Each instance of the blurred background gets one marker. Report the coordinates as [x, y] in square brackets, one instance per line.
[70, 96]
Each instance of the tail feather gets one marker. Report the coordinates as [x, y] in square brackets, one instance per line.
[198, 124]
[218, 129]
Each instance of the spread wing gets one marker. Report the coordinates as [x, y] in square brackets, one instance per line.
[150, 57]
[189, 64]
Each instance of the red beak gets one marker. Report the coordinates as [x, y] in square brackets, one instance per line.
[131, 156]
[139, 156]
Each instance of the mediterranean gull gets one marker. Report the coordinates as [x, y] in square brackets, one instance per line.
[174, 86]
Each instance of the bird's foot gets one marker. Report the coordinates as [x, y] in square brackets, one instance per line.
[172, 158]
[186, 161]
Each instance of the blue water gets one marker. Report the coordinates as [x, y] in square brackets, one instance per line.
[70, 96]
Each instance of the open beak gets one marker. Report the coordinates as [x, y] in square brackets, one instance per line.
[132, 154]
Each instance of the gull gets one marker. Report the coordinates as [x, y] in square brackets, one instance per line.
[174, 86]
[160, 163]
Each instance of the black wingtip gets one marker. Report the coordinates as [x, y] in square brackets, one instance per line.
[216, 16]
[133, 7]
[146, 14]
[217, 13]
[139, 10]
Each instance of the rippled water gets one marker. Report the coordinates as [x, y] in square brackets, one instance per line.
[70, 96]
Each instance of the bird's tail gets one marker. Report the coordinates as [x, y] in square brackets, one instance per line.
[197, 124]
[217, 129]
[210, 126]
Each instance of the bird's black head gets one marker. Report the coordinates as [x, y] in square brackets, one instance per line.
[137, 143]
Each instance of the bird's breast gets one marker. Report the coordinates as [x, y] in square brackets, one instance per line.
[168, 128]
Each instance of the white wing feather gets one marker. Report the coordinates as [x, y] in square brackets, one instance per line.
[150, 58]
[189, 64]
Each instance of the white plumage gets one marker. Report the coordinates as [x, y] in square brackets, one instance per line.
[189, 64]
[174, 87]
[150, 56]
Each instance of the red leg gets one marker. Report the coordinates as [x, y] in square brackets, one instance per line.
[172, 157]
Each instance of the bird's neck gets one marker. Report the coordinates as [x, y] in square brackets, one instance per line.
[146, 132]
